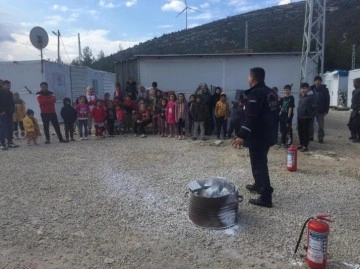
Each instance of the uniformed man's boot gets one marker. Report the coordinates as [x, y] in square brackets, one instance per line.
[263, 200]
[353, 136]
[253, 188]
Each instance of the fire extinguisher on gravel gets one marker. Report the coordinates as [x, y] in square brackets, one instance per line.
[317, 240]
[292, 158]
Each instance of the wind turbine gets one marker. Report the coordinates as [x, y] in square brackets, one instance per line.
[186, 12]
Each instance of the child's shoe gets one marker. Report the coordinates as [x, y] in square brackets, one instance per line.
[3, 147]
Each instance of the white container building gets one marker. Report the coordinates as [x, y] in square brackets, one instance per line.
[353, 74]
[64, 81]
[183, 73]
[337, 83]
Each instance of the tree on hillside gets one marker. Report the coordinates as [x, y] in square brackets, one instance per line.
[76, 61]
[87, 56]
[100, 55]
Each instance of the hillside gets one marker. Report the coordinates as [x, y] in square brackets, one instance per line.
[275, 29]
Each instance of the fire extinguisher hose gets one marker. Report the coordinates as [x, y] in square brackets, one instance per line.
[301, 234]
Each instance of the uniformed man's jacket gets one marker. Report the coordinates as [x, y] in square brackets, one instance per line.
[260, 128]
[355, 100]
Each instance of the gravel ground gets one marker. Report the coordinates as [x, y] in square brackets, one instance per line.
[122, 203]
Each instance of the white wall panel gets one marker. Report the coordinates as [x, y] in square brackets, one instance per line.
[58, 78]
[21, 74]
[181, 75]
[230, 73]
[184, 73]
[108, 83]
[63, 80]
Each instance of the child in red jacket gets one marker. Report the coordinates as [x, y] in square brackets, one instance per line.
[119, 121]
[98, 114]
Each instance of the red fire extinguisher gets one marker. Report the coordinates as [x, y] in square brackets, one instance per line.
[292, 158]
[317, 241]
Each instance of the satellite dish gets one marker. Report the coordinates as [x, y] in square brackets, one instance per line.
[39, 38]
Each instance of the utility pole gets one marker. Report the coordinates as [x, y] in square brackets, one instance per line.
[79, 45]
[312, 59]
[246, 37]
[58, 45]
[353, 57]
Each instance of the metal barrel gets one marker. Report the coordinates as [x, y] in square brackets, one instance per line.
[214, 213]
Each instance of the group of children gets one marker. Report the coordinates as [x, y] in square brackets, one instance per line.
[170, 114]
[306, 111]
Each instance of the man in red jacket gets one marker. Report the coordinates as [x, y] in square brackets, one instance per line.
[46, 100]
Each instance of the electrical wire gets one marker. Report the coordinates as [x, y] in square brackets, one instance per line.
[65, 49]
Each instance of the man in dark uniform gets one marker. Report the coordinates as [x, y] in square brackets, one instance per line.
[258, 132]
[354, 121]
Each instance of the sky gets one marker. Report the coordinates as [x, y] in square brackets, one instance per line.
[107, 25]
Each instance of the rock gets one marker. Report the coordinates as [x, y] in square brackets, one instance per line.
[40, 231]
[109, 260]
[67, 199]
[218, 142]
[331, 154]
[79, 234]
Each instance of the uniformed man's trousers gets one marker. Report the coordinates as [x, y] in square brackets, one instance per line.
[259, 166]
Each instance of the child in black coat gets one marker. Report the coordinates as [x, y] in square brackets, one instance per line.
[110, 118]
[69, 115]
[237, 116]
